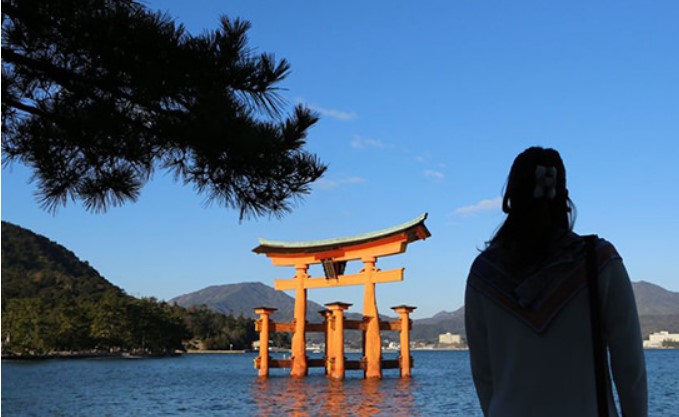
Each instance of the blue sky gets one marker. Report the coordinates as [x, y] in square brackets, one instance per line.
[424, 106]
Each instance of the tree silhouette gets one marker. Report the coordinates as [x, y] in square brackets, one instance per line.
[97, 95]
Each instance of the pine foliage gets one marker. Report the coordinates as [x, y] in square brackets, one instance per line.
[97, 95]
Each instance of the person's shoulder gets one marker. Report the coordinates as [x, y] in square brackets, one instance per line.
[605, 249]
[487, 253]
[489, 259]
[574, 239]
[478, 261]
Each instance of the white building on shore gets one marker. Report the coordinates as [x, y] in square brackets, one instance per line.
[655, 340]
[450, 339]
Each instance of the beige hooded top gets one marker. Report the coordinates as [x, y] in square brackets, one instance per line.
[530, 336]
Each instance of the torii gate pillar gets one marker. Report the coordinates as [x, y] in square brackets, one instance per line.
[373, 343]
[298, 349]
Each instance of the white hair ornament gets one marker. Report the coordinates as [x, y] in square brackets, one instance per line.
[545, 182]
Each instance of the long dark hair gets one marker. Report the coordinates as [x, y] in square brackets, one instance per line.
[537, 205]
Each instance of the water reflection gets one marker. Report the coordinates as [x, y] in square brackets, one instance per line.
[317, 395]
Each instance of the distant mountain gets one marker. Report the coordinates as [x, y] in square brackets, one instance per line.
[242, 298]
[658, 308]
[445, 321]
[653, 300]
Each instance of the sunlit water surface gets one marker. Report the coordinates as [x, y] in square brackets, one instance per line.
[226, 385]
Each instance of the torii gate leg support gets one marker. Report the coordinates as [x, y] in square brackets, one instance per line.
[329, 339]
[262, 361]
[405, 363]
[337, 309]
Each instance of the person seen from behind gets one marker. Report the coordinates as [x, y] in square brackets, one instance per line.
[527, 309]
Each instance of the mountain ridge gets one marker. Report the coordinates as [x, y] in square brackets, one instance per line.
[653, 299]
[241, 298]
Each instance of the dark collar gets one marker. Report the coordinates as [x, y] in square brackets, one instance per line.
[537, 297]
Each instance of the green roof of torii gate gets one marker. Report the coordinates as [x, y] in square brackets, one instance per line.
[272, 246]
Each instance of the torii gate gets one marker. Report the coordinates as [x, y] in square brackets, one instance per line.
[333, 255]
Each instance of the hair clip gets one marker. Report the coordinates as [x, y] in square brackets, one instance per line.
[545, 182]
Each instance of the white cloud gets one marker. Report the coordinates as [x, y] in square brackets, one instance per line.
[434, 175]
[363, 143]
[326, 184]
[481, 206]
[332, 113]
[335, 114]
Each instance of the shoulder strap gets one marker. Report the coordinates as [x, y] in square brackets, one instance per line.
[598, 343]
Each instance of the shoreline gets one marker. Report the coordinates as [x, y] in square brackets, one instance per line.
[116, 355]
[128, 355]
[212, 352]
[87, 355]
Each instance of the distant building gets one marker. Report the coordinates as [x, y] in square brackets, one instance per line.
[393, 346]
[450, 339]
[655, 340]
[255, 344]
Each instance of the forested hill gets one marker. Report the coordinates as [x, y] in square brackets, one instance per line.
[54, 302]
[34, 266]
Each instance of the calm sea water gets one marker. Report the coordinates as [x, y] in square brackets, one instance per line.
[226, 385]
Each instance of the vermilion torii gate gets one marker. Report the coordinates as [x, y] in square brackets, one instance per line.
[333, 255]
